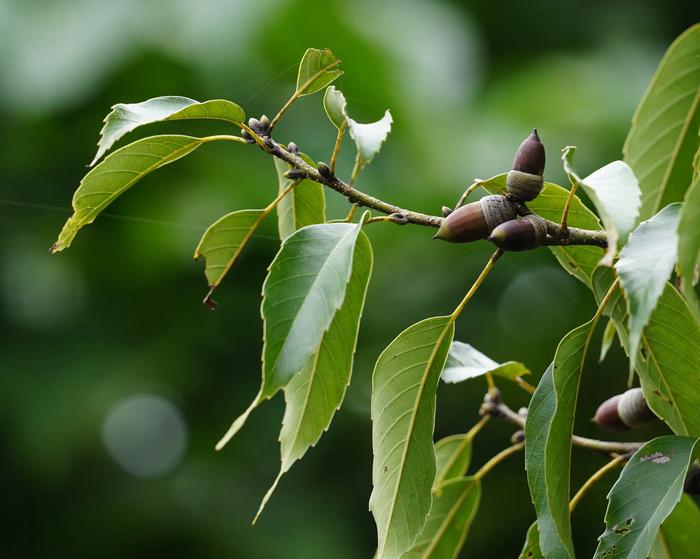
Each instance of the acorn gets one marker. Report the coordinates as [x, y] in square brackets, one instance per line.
[476, 220]
[624, 411]
[524, 182]
[524, 233]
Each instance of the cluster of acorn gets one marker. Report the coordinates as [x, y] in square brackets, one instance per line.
[496, 217]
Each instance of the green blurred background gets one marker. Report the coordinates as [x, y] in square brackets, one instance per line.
[116, 382]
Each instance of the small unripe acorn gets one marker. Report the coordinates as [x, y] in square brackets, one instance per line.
[264, 122]
[624, 411]
[255, 125]
[525, 181]
[476, 220]
[524, 233]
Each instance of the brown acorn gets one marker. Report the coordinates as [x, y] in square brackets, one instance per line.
[524, 233]
[624, 411]
[525, 181]
[476, 220]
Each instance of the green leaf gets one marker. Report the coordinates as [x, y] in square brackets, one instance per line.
[403, 417]
[223, 242]
[317, 69]
[646, 492]
[368, 137]
[668, 361]
[452, 456]
[125, 117]
[313, 395]
[678, 536]
[663, 139]
[465, 362]
[302, 293]
[614, 191]
[454, 507]
[304, 205]
[608, 339]
[579, 261]
[531, 549]
[548, 431]
[689, 244]
[119, 172]
[645, 264]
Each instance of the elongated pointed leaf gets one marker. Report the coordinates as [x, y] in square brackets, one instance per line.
[644, 266]
[454, 507]
[452, 455]
[317, 69]
[548, 430]
[668, 361]
[313, 395]
[648, 489]
[614, 191]
[531, 549]
[466, 362]
[304, 205]
[125, 117]
[223, 242]
[403, 417]
[689, 244]
[116, 174]
[579, 261]
[664, 135]
[303, 291]
[368, 137]
[678, 536]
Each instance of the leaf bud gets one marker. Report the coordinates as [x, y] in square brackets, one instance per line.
[294, 174]
[518, 437]
[265, 123]
[624, 411]
[524, 233]
[292, 148]
[255, 125]
[324, 170]
[247, 137]
[446, 211]
[476, 220]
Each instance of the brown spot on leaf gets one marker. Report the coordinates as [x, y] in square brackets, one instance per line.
[656, 458]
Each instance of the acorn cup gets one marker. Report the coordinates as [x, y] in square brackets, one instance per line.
[524, 233]
[624, 411]
[476, 220]
[524, 182]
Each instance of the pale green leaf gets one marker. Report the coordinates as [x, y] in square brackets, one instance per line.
[454, 507]
[317, 69]
[335, 105]
[304, 289]
[304, 205]
[645, 264]
[125, 117]
[689, 244]
[548, 432]
[223, 242]
[452, 455]
[313, 395]
[116, 174]
[646, 492]
[403, 417]
[664, 135]
[668, 361]
[678, 536]
[531, 548]
[579, 261]
[466, 362]
[614, 191]
[608, 338]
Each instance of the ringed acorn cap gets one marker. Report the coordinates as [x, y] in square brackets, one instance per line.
[476, 220]
[520, 234]
[530, 157]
